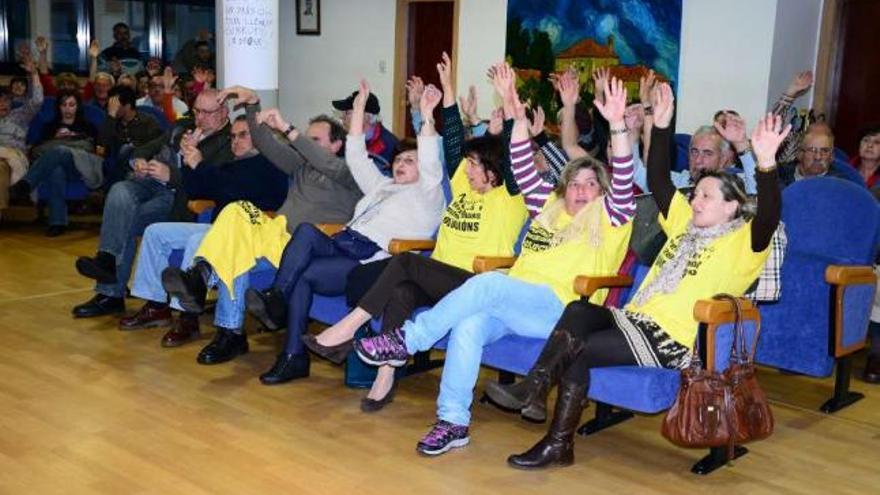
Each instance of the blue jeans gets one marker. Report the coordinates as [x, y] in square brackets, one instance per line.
[55, 167]
[131, 206]
[484, 309]
[159, 240]
[229, 311]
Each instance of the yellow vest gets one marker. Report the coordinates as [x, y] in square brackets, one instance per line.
[541, 262]
[477, 224]
[727, 265]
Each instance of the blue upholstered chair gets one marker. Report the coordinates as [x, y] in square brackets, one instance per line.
[828, 284]
[156, 113]
[682, 148]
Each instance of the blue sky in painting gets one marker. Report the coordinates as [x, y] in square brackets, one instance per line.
[645, 31]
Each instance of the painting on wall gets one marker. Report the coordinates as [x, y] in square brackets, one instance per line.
[630, 37]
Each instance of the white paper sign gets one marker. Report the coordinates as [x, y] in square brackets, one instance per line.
[250, 43]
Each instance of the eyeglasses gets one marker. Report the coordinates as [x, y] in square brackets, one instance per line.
[695, 152]
[240, 135]
[201, 111]
[817, 151]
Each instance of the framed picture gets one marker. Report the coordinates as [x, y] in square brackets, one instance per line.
[308, 17]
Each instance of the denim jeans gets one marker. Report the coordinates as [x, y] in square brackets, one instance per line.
[159, 240]
[484, 309]
[130, 207]
[55, 167]
[229, 311]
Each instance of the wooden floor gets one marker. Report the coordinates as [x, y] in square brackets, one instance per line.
[86, 408]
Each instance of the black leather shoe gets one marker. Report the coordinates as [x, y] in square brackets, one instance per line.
[287, 367]
[369, 405]
[872, 369]
[268, 306]
[99, 305]
[188, 286]
[101, 268]
[20, 192]
[226, 346]
[336, 354]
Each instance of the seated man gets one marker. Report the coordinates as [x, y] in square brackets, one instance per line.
[249, 177]
[381, 143]
[152, 194]
[322, 190]
[815, 159]
[125, 130]
[13, 129]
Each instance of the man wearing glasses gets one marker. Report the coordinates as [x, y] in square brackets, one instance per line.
[815, 158]
[152, 193]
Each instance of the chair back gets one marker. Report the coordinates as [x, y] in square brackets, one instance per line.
[682, 148]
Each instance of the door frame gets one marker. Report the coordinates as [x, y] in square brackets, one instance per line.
[398, 93]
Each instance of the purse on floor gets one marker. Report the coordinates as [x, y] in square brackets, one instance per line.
[720, 409]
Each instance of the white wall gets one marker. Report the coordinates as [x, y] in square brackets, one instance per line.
[726, 52]
[482, 30]
[355, 37]
[795, 45]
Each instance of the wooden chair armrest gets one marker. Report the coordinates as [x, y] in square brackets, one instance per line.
[484, 264]
[327, 228]
[850, 275]
[198, 206]
[714, 314]
[397, 246]
[587, 285]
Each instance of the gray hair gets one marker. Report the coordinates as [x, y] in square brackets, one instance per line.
[708, 130]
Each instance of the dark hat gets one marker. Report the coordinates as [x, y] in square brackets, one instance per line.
[347, 103]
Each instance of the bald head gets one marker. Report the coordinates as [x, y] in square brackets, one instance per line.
[210, 115]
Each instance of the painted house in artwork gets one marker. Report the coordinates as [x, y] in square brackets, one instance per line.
[588, 55]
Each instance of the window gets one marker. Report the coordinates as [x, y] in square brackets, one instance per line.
[182, 22]
[14, 31]
[70, 32]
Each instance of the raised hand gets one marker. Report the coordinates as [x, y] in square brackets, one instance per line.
[536, 126]
[646, 84]
[496, 122]
[664, 105]
[614, 104]
[42, 44]
[168, 80]
[569, 89]
[113, 106]
[503, 80]
[766, 138]
[360, 100]
[94, 49]
[469, 105]
[799, 84]
[444, 70]
[430, 98]
[414, 89]
[272, 118]
[600, 78]
[238, 93]
[490, 72]
[732, 128]
[27, 63]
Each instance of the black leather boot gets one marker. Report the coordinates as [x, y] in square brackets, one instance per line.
[287, 367]
[269, 306]
[189, 287]
[529, 396]
[101, 268]
[557, 446]
[226, 346]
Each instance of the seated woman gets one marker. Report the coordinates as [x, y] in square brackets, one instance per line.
[484, 218]
[868, 160]
[67, 151]
[583, 228]
[405, 206]
[715, 246]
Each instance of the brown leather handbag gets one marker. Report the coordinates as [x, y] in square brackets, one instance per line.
[714, 409]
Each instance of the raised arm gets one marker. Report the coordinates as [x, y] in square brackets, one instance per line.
[414, 89]
[430, 168]
[620, 203]
[94, 52]
[43, 51]
[568, 87]
[659, 159]
[646, 85]
[453, 130]
[732, 128]
[503, 81]
[766, 139]
[359, 163]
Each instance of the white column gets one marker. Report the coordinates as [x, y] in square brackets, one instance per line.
[247, 46]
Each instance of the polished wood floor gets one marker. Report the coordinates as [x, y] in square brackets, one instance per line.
[86, 408]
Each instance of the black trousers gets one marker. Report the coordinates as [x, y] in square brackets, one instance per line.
[409, 281]
[603, 344]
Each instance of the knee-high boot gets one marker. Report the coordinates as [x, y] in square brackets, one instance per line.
[557, 446]
[529, 395]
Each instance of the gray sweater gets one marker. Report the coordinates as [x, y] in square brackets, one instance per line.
[322, 189]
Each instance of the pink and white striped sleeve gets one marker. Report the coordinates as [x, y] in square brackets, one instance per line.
[535, 190]
[621, 203]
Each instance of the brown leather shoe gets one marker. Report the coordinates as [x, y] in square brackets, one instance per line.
[185, 329]
[150, 315]
[872, 369]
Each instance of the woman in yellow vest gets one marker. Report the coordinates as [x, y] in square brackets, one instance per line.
[715, 245]
[484, 218]
[584, 227]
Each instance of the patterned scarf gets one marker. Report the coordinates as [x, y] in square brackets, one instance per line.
[588, 219]
[691, 244]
